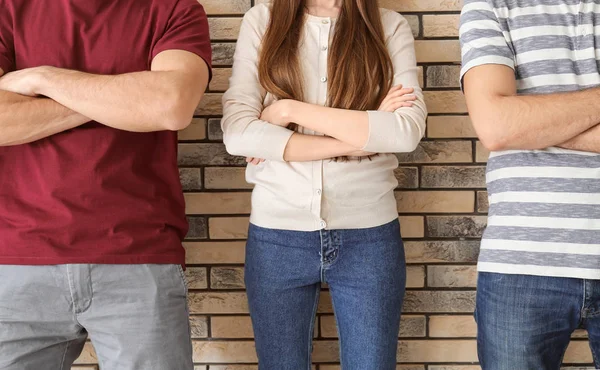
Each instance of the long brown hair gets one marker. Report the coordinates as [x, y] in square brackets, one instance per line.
[359, 67]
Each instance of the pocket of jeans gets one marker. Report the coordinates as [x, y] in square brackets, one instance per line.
[183, 278]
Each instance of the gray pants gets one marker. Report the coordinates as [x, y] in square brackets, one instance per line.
[136, 316]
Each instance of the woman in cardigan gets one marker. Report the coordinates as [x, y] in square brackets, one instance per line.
[323, 92]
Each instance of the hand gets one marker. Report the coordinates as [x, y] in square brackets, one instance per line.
[397, 98]
[254, 161]
[278, 113]
[360, 153]
[23, 82]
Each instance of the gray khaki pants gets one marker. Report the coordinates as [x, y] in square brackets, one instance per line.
[136, 316]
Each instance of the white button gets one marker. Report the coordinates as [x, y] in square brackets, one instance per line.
[319, 192]
[323, 79]
[323, 224]
[325, 21]
[324, 48]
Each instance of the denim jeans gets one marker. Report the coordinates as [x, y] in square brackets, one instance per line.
[366, 274]
[135, 315]
[525, 322]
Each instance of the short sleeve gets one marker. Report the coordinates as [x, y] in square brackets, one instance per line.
[481, 38]
[187, 30]
[7, 49]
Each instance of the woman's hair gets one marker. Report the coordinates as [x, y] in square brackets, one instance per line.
[360, 68]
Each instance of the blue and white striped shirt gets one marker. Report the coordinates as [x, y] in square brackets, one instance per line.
[544, 216]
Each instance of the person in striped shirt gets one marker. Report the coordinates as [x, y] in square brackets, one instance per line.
[530, 75]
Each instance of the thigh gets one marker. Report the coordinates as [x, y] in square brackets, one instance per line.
[591, 321]
[282, 282]
[367, 285]
[38, 329]
[592, 325]
[138, 318]
[525, 322]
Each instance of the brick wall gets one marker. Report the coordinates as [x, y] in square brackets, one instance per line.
[441, 197]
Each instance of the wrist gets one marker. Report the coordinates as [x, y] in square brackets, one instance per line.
[40, 80]
[289, 112]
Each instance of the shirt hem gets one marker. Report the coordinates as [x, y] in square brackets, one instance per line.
[101, 260]
[534, 270]
[343, 218]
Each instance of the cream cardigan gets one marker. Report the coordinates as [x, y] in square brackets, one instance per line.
[308, 196]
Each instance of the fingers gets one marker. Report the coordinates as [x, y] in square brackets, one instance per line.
[398, 102]
[403, 98]
[392, 91]
[396, 105]
[400, 92]
[395, 88]
[395, 93]
[254, 161]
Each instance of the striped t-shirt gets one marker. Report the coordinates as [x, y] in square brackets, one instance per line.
[544, 216]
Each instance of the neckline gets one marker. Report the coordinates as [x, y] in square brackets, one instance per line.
[314, 18]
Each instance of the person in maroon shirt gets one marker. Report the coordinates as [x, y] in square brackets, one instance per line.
[92, 214]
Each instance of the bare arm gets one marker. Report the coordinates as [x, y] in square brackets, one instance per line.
[397, 128]
[348, 126]
[310, 148]
[164, 98]
[306, 148]
[504, 120]
[589, 141]
[24, 119]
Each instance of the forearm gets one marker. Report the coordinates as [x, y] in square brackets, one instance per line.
[348, 126]
[24, 119]
[140, 102]
[589, 141]
[539, 121]
[305, 148]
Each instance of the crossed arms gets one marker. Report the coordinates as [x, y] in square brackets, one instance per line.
[251, 130]
[505, 121]
[161, 99]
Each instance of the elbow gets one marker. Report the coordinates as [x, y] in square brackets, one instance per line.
[231, 145]
[177, 122]
[411, 144]
[178, 111]
[491, 135]
[493, 143]
[493, 128]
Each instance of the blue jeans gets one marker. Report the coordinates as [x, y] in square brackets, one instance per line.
[366, 273]
[525, 322]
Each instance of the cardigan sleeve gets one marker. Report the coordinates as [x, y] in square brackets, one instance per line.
[244, 134]
[402, 130]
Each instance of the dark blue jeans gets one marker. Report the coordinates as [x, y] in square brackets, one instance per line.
[366, 273]
[525, 322]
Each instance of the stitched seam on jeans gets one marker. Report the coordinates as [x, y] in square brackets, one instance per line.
[321, 258]
[335, 317]
[184, 280]
[312, 324]
[338, 250]
[593, 315]
[62, 363]
[187, 310]
[71, 289]
[582, 313]
[88, 282]
[594, 357]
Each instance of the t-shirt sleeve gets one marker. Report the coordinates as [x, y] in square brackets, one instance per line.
[187, 29]
[7, 56]
[481, 38]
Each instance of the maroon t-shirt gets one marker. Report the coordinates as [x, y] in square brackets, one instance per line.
[94, 194]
